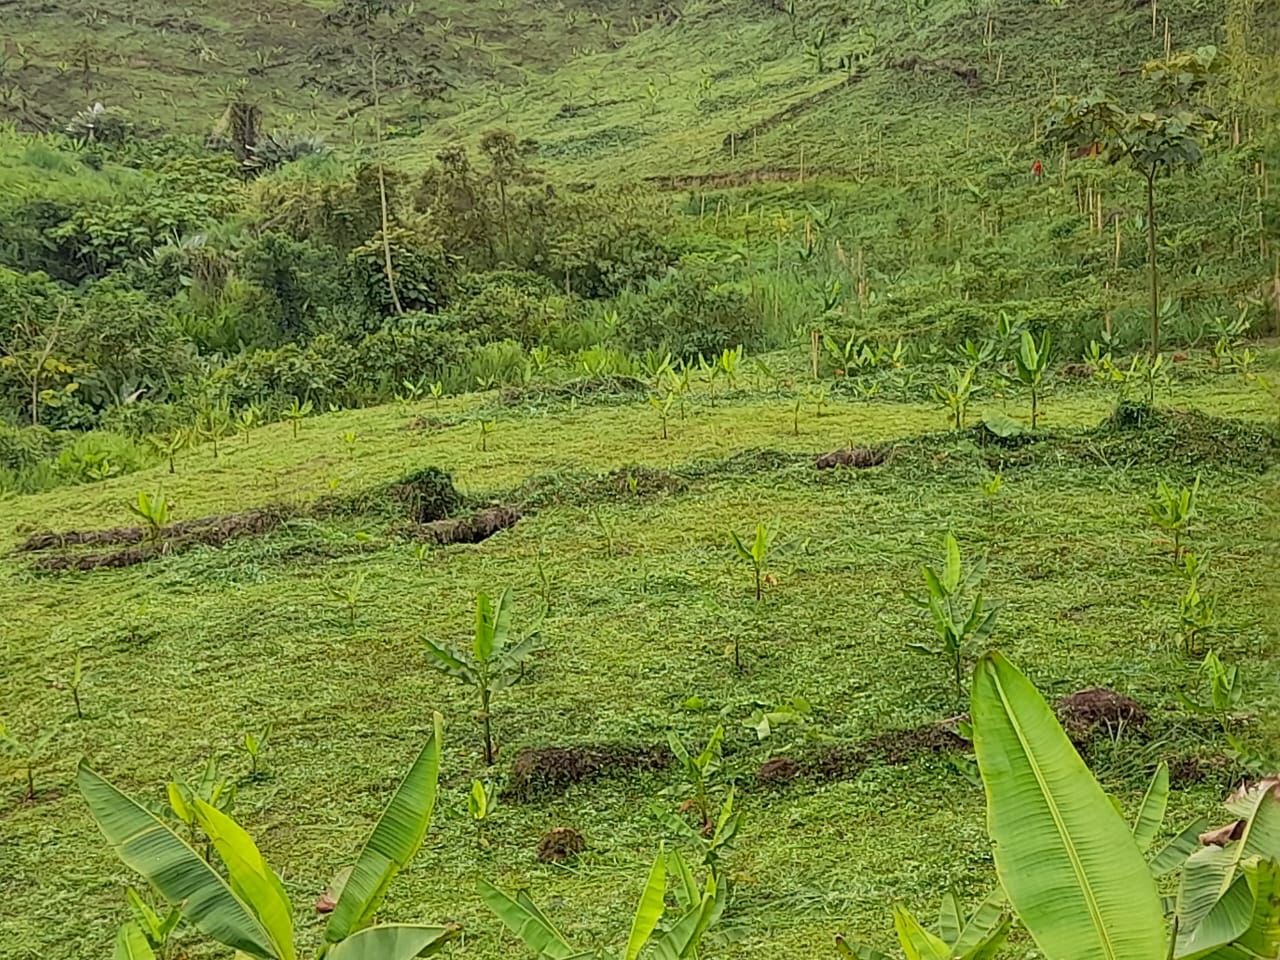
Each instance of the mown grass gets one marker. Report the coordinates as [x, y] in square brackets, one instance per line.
[186, 654]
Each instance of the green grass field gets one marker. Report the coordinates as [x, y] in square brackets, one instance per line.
[185, 654]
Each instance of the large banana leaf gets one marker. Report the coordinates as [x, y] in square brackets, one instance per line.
[1174, 853]
[1064, 855]
[252, 879]
[1151, 814]
[523, 918]
[131, 944]
[1214, 900]
[392, 941]
[176, 871]
[394, 841]
[650, 908]
[986, 928]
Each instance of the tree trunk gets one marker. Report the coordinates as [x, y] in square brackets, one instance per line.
[1151, 263]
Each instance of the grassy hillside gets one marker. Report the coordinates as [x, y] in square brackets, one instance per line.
[626, 535]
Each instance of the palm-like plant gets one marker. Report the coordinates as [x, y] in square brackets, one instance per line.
[1030, 363]
[493, 663]
[243, 906]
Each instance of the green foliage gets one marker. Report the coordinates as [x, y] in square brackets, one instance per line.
[492, 664]
[420, 268]
[1031, 364]
[1197, 609]
[956, 393]
[249, 911]
[1172, 509]
[700, 771]
[154, 511]
[700, 909]
[29, 753]
[963, 623]
[1226, 690]
[687, 314]
[957, 935]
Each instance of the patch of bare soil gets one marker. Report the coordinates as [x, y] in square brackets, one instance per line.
[895, 748]
[857, 457]
[1087, 712]
[473, 529]
[560, 845]
[544, 771]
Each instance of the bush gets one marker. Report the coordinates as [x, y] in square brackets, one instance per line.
[321, 371]
[411, 347]
[509, 305]
[421, 269]
[24, 447]
[301, 277]
[687, 315]
[498, 364]
[97, 456]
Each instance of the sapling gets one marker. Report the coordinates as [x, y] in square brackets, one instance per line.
[247, 419]
[296, 413]
[756, 554]
[1172, 509]
[154, 511]
[728, 364]
[211, 789]
[1226, 690]
[486, 428]
[169, 445]
[1197, 611]
[710, 840]
[957, 936]
[481, 802]
[29, 754]
[420, 554]
[991, 484]
[700, 771]
[74, 683]
[255, 745]
[1031, 363]
[956, 393]
[663, 407]
[492, 664]
[437, 391]
[961, 626]
[349, 594]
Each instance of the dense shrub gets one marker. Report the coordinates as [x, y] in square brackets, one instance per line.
[321, 370]
[420, 267]
[507, 305]
[412, 347]
[301, 277]
[687, 315]
[98, 455]
[24, 447]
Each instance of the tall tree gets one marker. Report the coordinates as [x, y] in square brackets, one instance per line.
[1170, 132]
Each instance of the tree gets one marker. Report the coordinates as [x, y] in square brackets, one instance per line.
[1169, 133]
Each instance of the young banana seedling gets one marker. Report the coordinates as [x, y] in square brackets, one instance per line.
[1172, 509]
[957, 936]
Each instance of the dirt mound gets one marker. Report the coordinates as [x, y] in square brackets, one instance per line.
[857, 457]
[560, 845]
[845, 762]
[544, 771]
[206, 531]
[473, 529]
[915, 63]
[427, 495]
[1085, 712]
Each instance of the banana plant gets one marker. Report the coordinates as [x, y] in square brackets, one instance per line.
[1226, 690]
[701, 904]
[243, 906]
[711, 840]
[956, 393]
[957, 936]
[493, 663]
[29, 754]
[757, 553]
[1030, 364]
[700, 771]
[153, 510]
[663, 406]
[155, 929]
[1172, 509]
[1072, 868]
[961, 626]
[297, 412]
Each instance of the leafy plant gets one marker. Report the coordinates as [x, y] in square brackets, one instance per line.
[796, 710]
[486, 428]
[1172, 508]
[349, 595]
[74, 683]
[249, 911]
[247, 420]
[1197, 611]
[482, 800]
[957, 935]
[700, 772]
[701, 905]
[255, 744]
[1073, 869]
[1226, 690]
[757, 553]
[29, 754]
[296, 413]
[711, 840]
[169, 445]
[155, 929]
[1030, 364]
[956, 393]
[492, 665]
[663, 407]
[961, 624]
[991, 484]
[216, 791]
[437, 391]
[153, 510]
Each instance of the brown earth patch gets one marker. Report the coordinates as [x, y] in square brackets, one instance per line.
[857, 457]
[844, 762]
[542, 771]
[1085, 712]
[473, 529]
[560, 845]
